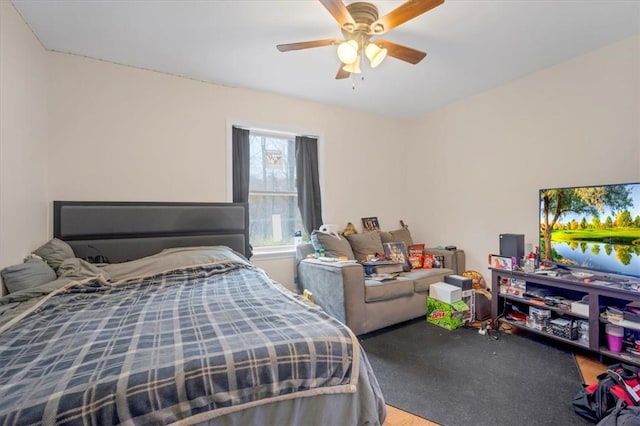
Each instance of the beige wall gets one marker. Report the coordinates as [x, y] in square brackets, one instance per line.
[23, 138]
[119, 133]
[130, 134]
[487, 156]
[80, 129]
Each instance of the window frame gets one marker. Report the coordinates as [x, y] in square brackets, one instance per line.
[277, 131]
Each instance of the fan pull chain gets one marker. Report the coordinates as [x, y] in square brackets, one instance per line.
[362, 59]
[353, 80]
[353, 76]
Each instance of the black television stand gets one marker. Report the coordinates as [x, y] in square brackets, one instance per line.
[507, 293]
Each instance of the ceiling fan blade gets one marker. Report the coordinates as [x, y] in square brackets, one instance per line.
[403, 13]
[342, 73]
[339, 11]
[308, 44]
[401, 52]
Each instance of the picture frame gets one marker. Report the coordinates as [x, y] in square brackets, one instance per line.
[370, 223]
[397, 252]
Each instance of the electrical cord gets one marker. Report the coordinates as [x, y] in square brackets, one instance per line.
[496, 324]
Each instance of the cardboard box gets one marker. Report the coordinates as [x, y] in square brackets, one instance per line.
[564, 328]
[515, 282]
[538, 318]
[445, 292]
[469, 297]
[540, 312]
[512, 290]
[580, 307]
[445, 315]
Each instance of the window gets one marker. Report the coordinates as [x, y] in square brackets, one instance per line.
[269, 170]
[274, 216]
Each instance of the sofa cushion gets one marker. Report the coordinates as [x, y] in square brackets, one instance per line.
[333, 246]
[376, 291]
[367, 243]
[423, 278]
[398, 235]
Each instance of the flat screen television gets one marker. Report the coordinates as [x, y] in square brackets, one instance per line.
[592, 227]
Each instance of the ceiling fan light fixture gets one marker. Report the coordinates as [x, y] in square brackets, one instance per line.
[360, 20]
[348, 52]
[354, 67]
[375, 54]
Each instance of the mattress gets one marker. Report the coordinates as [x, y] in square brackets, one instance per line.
[187, 336]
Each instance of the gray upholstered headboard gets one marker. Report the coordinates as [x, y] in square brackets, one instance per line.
[120, 231]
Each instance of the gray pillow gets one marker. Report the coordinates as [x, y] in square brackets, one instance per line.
[79, 269]
[367, 243]
[332, 245]
[54, 252]
[29, 274]
[399, 235]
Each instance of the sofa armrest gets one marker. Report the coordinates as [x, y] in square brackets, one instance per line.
[303, 251]
[337, 287]
[453, 259]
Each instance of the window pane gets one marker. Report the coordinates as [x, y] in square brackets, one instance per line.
[273, 219]
[273, 203]
[273, 164]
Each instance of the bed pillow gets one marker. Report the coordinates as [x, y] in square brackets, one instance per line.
[367, 243]
[399, 235]
[54, 252]
[29, 274]
[333, 246]
[79, 269]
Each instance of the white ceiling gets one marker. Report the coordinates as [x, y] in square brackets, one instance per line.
[471, 45]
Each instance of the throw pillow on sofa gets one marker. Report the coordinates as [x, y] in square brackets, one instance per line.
[367, 243]
[333, 246]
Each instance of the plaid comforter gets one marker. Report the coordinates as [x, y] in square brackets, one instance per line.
[182, 346]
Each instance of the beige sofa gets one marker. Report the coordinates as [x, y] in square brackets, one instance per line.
[343, 290]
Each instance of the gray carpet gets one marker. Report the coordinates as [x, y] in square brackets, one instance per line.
[460, 377]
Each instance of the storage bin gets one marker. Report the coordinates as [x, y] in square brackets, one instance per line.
[615, 335]
[446, 293]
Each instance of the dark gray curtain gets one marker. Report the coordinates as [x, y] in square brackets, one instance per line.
[240, 148]
[308, 182]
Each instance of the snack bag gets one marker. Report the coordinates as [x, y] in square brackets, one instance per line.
[415, 255]
[415, 261]
[428, 261]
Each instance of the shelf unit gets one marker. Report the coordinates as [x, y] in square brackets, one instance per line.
[565, 285]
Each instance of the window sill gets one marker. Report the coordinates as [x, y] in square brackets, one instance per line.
[274, 253]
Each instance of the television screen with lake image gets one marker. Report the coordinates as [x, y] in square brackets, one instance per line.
[592, 227]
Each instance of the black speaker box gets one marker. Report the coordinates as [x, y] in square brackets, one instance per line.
[512, 245]
[483, 306]
[459, 281]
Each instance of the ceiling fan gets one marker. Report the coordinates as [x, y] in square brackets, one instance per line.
[359, 22]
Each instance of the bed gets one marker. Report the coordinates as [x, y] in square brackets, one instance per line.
[178, 328]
